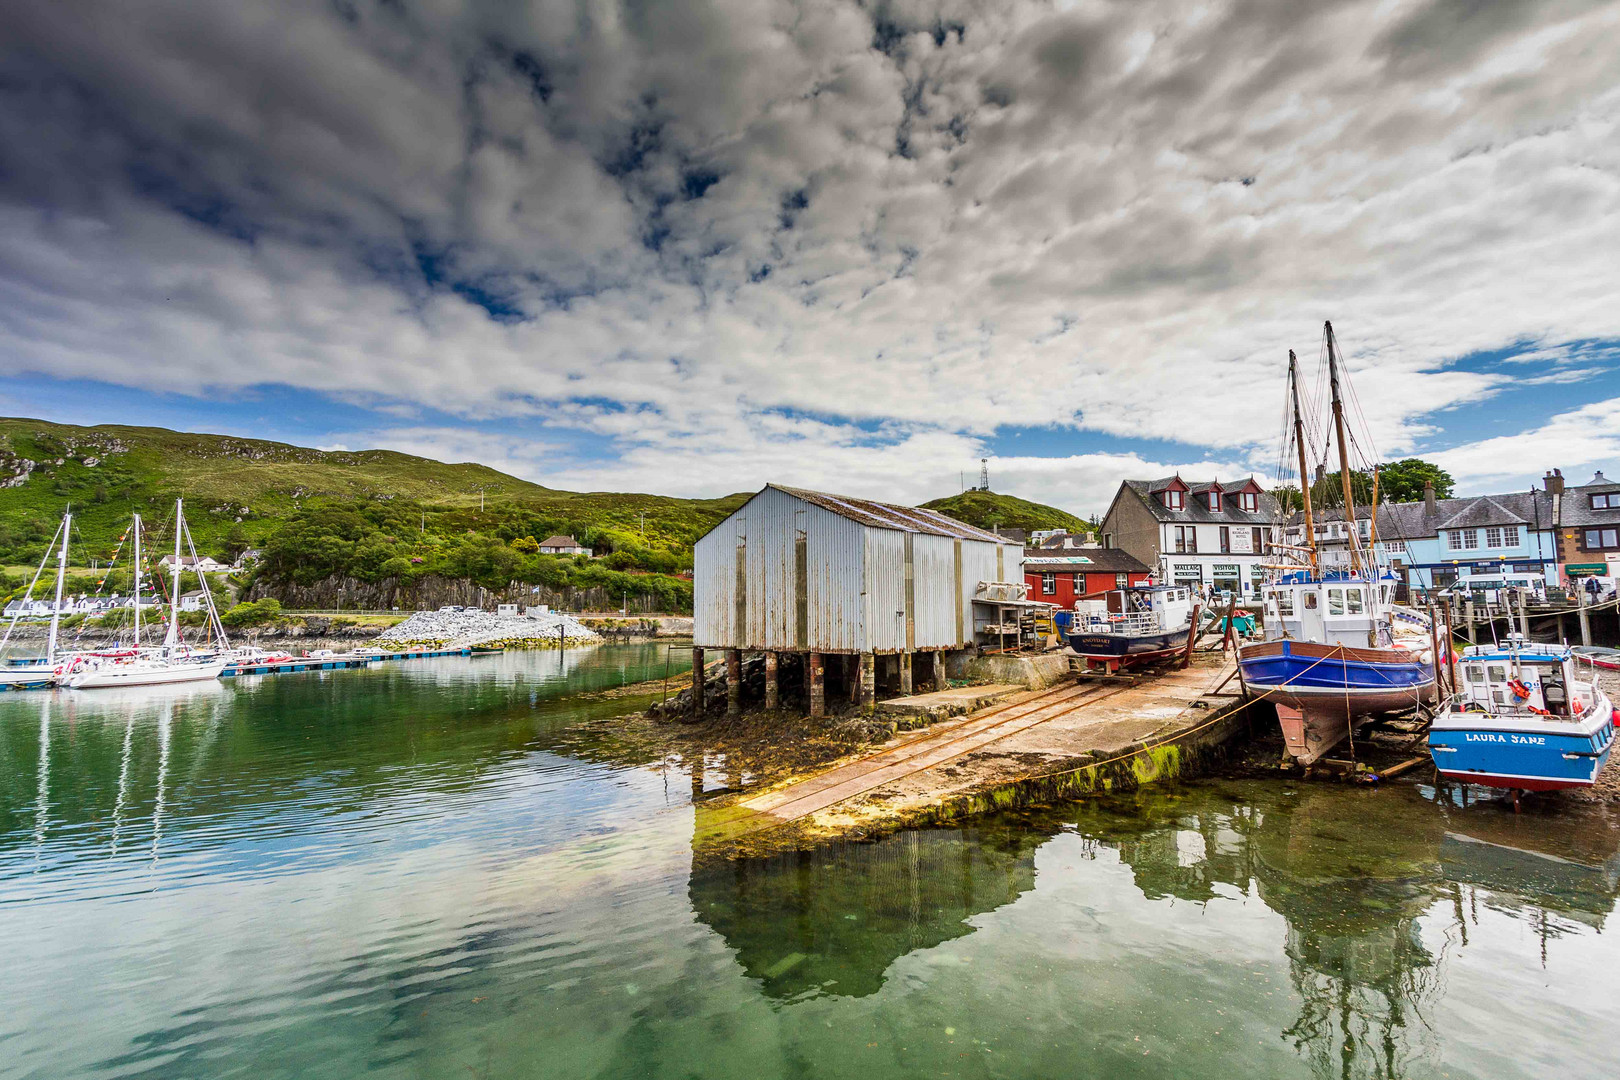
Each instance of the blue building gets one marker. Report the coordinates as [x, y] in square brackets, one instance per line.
[1479, 542]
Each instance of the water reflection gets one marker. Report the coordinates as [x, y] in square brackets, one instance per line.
[833, 920]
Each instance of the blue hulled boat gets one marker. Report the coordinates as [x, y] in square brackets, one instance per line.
[1337, 648]
[1522, 721]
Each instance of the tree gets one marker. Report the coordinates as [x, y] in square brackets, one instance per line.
[526, 545]
[1402, 481]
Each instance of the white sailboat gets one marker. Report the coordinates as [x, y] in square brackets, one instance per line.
[41, 676]
[174, 663]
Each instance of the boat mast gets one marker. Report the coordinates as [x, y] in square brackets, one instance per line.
[137, 582]
[1304, 473]
[61, 574]
[1344, 451]
[173, 636]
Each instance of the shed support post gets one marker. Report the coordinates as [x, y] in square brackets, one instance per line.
[1561, 637]
[733, 682]
[868, 682]
[852, 677]
[815, 681]
[697, 683]
[770, 682]
[1586, 621]
[1468, 620]
[905, 674]
[938, 681]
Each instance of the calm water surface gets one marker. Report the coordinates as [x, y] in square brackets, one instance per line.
[429, 869]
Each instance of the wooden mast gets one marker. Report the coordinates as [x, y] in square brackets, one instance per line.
[1304, 473]
[1344, 450]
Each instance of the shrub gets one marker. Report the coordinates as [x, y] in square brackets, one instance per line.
[253, 613]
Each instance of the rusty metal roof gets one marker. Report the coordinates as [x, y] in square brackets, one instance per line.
[888, 516]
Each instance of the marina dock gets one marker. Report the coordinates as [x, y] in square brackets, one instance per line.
[1031, 746]
[302, 663]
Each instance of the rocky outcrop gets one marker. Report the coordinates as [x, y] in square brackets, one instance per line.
[432, 592]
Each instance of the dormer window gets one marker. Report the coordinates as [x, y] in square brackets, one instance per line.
[1248, 502]
[1215, 502]
[1606, 502]
[1172, 499]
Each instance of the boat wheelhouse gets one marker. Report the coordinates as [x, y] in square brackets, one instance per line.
[1131, 625]
[1522, 720]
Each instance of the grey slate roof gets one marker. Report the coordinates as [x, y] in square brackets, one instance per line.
[1101, 561]
[888, 516]
[1412, 520]
[1196, 511]
[1577, 508]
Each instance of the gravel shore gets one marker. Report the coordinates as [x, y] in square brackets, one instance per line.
[462, 628]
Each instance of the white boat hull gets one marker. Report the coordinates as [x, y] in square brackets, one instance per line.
[141, 673]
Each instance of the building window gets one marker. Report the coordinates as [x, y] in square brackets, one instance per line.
[1186, 540]
[1606, 502]
[1462, 539]
[1226, 540]
[1122, 581]
[1257, 540]
[1048, 584]
[1172, 500]
[1108, 541]
[1215, 501]
[1602, 538]
[1249, 501]
[1395, 546]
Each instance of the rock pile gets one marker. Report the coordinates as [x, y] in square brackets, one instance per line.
[462, 628]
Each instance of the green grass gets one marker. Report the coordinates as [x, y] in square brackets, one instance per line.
[988, 510]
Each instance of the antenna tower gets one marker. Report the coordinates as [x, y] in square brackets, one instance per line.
[984, 474]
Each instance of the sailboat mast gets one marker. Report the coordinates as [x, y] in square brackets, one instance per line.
[173, 636]
[137, 581]
[1299, 442]
[1344, 450]
[61, 575]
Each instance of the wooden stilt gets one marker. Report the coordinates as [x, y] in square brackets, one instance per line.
[697, 681]
[733, 682]
[815, 679]
[868, 682]
[771, 692]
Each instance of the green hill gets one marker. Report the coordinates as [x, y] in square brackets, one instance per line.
[988, 510]
[318, 513]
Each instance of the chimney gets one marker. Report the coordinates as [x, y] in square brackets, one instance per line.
[1553, 482]
[1428, 498]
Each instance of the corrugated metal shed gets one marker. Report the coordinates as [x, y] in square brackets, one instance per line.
[796, 570]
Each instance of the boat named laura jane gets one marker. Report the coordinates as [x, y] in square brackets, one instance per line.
[1336, 648]
[1522, 720]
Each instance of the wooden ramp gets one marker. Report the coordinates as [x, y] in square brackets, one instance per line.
[912, 762]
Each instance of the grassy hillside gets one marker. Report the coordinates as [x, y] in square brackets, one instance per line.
[319, 512]
[988, 510]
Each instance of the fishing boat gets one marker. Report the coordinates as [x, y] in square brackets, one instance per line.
[175, 662]
[1336, 647]
[1521, 720]
[1129, 626]
[41, 676]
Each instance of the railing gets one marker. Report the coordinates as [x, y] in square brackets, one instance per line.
[1135, 622]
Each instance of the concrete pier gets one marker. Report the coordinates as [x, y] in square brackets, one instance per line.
[868, 682]
[771, 688]
[697, 681]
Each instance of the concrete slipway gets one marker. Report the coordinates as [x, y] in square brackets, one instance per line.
[1029, 746]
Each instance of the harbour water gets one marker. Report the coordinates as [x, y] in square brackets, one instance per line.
[436, 868]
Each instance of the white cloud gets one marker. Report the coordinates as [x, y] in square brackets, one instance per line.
[719, 218]
[1583, 438]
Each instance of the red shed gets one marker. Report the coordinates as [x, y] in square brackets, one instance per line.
[1063, 579]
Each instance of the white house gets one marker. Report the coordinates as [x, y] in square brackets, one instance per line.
[1196, 533]
[202, 565]
[562, 545]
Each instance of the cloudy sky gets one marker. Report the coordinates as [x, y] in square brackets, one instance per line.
[690, 246]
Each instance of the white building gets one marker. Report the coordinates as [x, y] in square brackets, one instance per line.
[563, 545]
[803, 571]
[201, 565]
[1212, 534]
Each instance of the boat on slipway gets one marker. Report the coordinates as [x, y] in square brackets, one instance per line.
[1336, 646]
[1522, 720]
[1123, 627]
